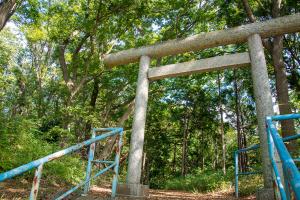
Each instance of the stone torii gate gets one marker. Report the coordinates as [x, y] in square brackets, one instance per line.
[250, 33]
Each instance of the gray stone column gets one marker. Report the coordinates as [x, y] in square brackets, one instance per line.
[139, 120]
[263, 99]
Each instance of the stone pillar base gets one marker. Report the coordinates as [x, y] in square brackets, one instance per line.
[132, 191]
[265, 194]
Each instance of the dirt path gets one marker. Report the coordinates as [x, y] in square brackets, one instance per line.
[12, 190]
[99, 193]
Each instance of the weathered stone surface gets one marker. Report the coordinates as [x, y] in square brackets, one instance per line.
[139, 120]
[263, 101]
[204, 65]
[132, 191]
[272, 27]
[265, 194]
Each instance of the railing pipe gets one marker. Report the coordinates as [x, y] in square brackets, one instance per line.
[256, 146]
[89, 165]
[236, 173]
[103, 161]
[273, 163]
[285, 117]
[84, 182]
[36, 163]
[289, 166]
[107, 129]
[249, 173]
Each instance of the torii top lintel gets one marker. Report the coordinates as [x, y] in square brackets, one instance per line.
[272, 27]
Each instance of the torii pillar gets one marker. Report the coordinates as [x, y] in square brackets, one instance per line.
[138, 129]
[264, 107]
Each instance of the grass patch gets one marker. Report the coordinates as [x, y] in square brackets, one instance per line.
[208, 181]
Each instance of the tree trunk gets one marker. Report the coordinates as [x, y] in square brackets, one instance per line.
[215, 158]
[202, 150]
[106, 151]
[184, 146]
[242, 156]
[7, 9]
[93, 101]
[287, 126]
[222, 128]
[275, 48]
[174, 157]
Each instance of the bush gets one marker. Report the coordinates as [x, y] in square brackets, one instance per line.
[20, 143]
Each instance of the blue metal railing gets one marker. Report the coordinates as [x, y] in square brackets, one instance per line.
[256, 146]
[86, 183]
[291, 173]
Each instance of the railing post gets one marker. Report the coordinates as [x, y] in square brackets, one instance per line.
[36, 183]
[117, 163]
[236, 173]
[89, 165]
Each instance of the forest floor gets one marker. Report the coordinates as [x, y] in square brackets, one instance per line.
[12, 190]
[99, 193]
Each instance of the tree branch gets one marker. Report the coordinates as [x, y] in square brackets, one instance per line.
[64, 67]
[249, 11]
[252, 19]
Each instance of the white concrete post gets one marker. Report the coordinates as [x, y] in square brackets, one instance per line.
[263, 99]
[139, 120]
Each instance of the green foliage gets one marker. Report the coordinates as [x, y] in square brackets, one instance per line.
[54, 87]
[208, 181]
[69, 169]
[20, 145]
[249, 184]
[202, 181]
[19, 135]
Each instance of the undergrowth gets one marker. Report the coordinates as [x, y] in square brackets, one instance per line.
[21, 143]
[208, 181]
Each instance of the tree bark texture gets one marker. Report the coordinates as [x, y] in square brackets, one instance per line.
[7, 9]
[240, 135]
[287, 126]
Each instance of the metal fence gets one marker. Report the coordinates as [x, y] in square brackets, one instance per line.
[38, 164]
[290, 186]
[284, 155]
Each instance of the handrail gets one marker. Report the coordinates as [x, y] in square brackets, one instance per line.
[290, 170]
[256, 146]
[91, 142]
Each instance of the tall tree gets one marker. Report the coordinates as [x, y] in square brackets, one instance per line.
[222, 133]
[7, 9]
[275, 48]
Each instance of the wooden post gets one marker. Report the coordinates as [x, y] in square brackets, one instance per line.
[139, 120]
[264, 105]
